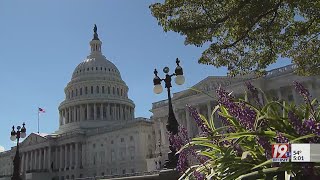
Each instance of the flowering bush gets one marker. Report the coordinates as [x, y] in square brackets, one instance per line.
[242, 146]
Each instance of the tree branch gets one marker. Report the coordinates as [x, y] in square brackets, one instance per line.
[253, 24]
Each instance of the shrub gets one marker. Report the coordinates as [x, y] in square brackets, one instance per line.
[242, 146]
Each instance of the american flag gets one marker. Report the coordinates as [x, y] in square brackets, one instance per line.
[41, 110]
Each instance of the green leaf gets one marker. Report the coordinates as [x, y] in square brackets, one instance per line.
[302, 137]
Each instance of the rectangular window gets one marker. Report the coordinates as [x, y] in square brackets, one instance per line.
[86, 90]
[80, 91]
[91, 89]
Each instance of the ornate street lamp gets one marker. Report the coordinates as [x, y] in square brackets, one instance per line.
[172, 123]
[16, 135]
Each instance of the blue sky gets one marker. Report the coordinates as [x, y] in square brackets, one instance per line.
[41, 42]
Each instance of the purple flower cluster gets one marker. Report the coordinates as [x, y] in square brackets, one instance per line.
[280, 138]
[180, 139]
[198, 175]
[308, 126]
[183, 162]
[295, 121]
[254, 92]
[196, 116]
[266, 145]
[243, 113]
[302, 91]
[225, 122]
[202, 159]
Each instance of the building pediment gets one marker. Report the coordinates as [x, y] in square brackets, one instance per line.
[33, 139]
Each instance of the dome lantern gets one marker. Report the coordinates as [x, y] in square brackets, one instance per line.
[95, 43]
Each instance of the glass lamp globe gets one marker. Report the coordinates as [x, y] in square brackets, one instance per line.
[12, 138]
[180, 79]
[23, 135]
[157, 89]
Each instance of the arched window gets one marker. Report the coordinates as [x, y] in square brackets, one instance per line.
[76, 92]
[102, 90]
[80, 91]
[91, 89]
[113, 91]
[121, 92]
[72, 93]
[108, 89]
[97, 89]
[86, 90]
[118, 91]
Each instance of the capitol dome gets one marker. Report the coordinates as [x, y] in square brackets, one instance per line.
[96, 96]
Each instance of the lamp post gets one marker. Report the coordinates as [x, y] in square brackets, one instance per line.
[172, 123]
[16, 135]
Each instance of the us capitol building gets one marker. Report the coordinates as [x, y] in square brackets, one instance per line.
[99, 135]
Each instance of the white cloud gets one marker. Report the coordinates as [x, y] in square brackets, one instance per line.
[1, 148]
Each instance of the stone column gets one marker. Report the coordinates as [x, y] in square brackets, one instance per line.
[63, 117]
[81, 112]
[61, 159]
[70, 155]
[56, 164]
[127, 113]
[163, 132]
[22, 162]
[69, 115]
[108, 112]
[28, 161]
[123, 113]
[88, 112]
[60, 117]
[95, 111]
[74, 110]
[66, 116]
[40, 159]
[83, 154]
[66, 157]
[132, 113]
[116, 111]
[120, 112]
[295, 95]
[101, 111]
[113, 112]
[45, 156]
[36, 157]
[189, 127]
[76, 155]
[47, 160]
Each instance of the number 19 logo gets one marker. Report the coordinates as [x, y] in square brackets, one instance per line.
[280, 152]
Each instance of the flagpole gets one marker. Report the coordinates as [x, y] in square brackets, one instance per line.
[38, 120]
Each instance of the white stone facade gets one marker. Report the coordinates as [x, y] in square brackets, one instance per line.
[277, 83]
[98, 134]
